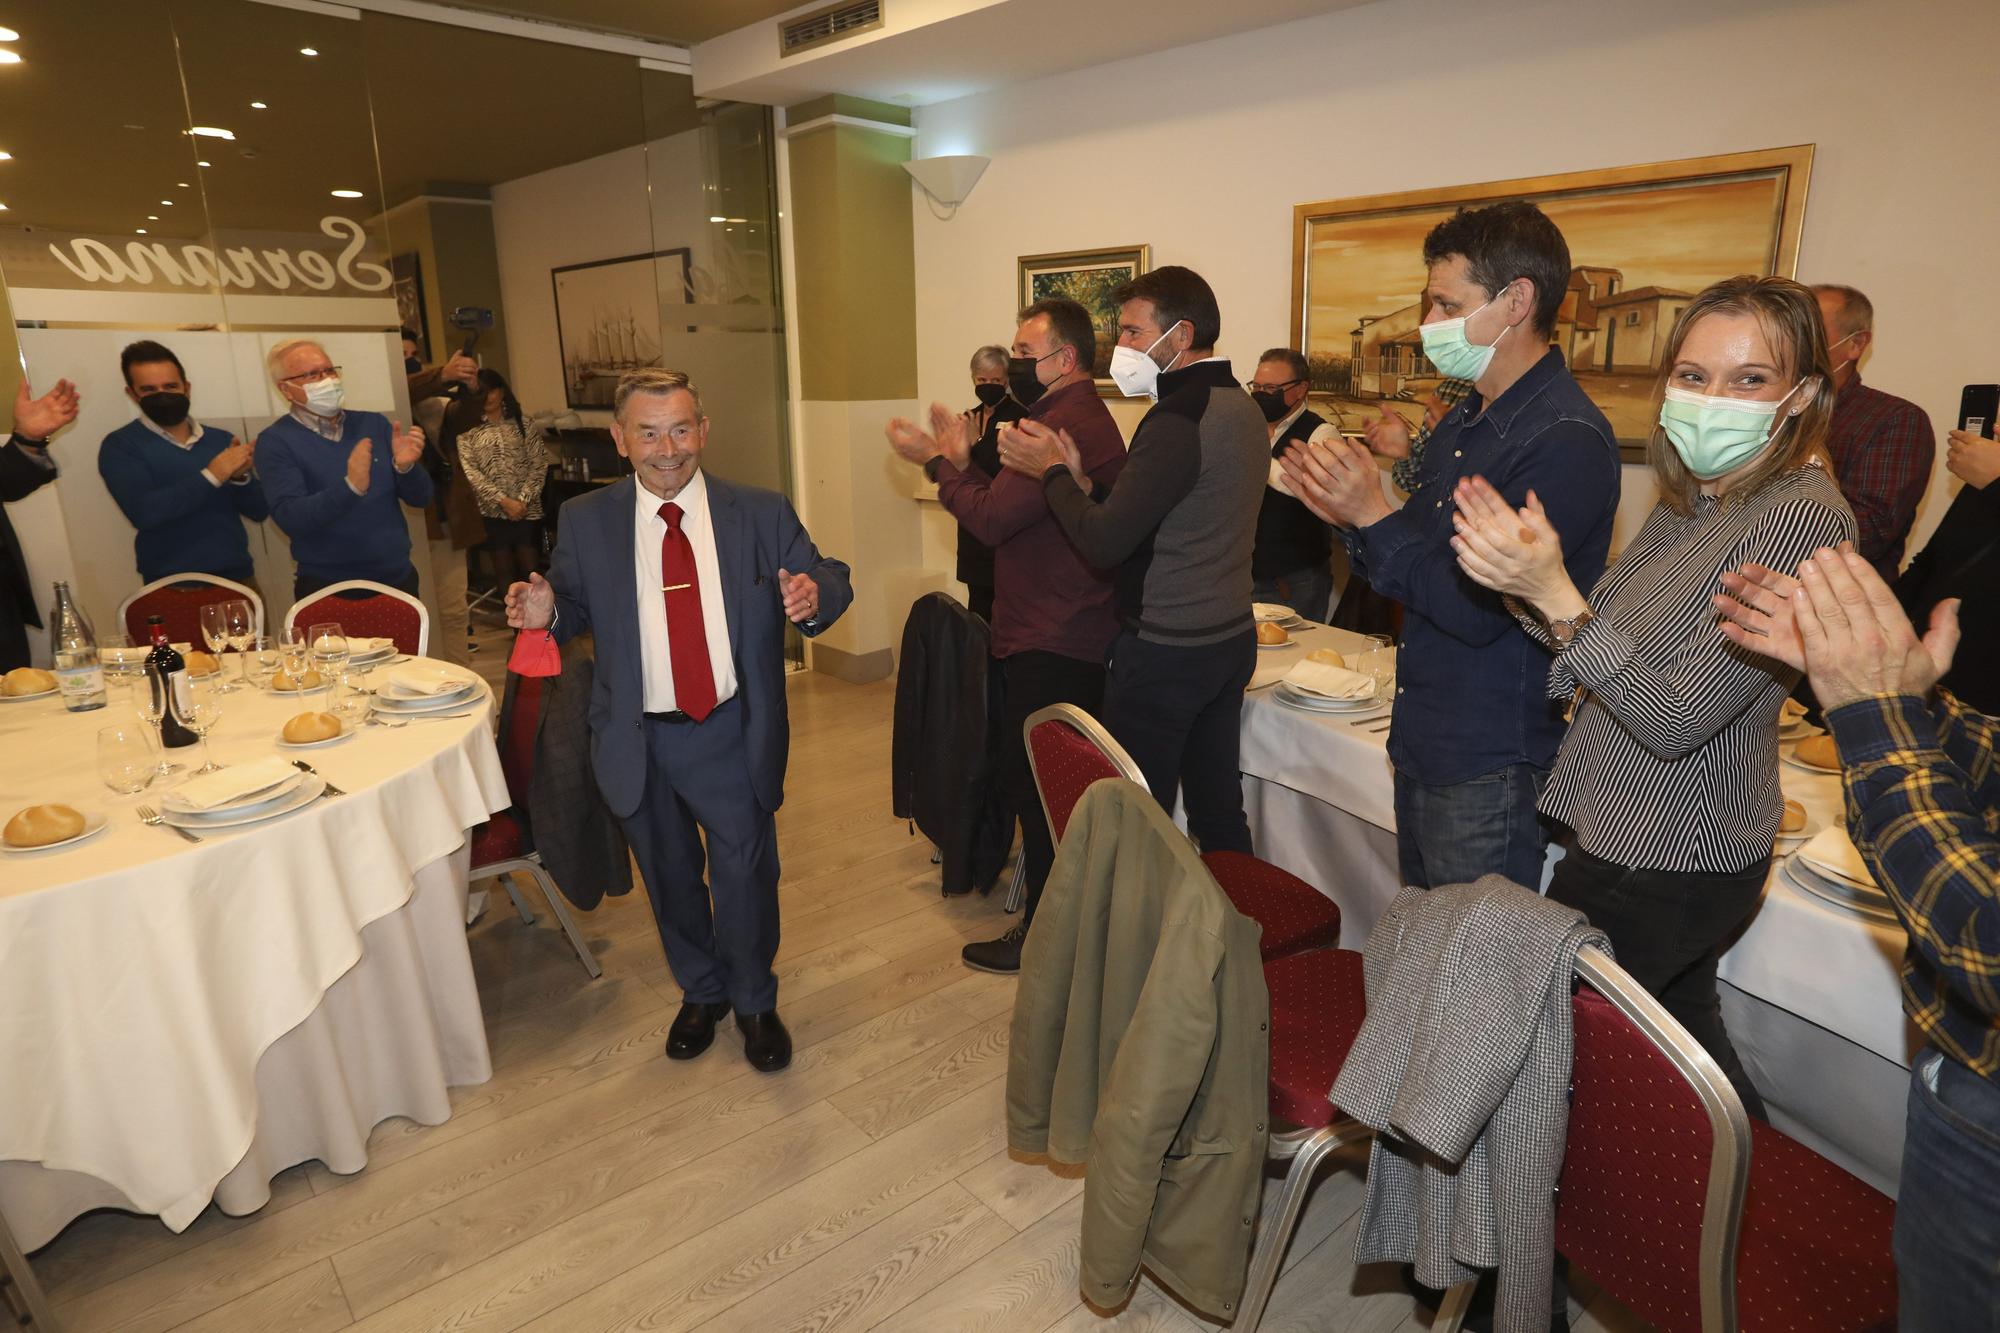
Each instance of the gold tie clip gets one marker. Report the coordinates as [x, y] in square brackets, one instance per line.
[676, 587]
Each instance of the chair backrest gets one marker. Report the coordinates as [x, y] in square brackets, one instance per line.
[1068, 749]
[521, 713]
[1658, 1155]
[383, 613]
[178, 599]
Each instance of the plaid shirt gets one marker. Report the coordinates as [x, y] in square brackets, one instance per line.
[1923, 805]
[1449, 392]
[1882, 449]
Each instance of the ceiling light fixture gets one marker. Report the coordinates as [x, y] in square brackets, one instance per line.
[259, 106]
[9, 35]
[168, 202]
[718, 218]
[6, 157]
[3, 208]
[204, 164]
[10, 57]
[182, 184]
[152, 217]
[307, 51]
[212, 132]
[139, 231]
[347, 194]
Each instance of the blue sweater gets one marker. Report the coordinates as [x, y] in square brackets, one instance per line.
[187, 524]
[335, 533]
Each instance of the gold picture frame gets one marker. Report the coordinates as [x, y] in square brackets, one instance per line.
[1087, 277]
[1643, 240]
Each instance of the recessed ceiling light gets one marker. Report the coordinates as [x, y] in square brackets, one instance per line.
[307, 51]
[258, 106]
[152, 217]
[347, 194]
[212, 132]
[6, 157]
[204, 164]
[3, 208]
[10, 57]
[718, 218]
[168, 202]
[9, 35]
[141, 231]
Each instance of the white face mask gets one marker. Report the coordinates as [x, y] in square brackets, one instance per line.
[1135, 372]
[323, 397]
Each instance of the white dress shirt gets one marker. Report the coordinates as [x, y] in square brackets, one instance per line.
[1277, 480]
[194, 433]
[656, 668]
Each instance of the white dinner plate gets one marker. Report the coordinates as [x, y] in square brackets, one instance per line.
[1825, 871]
[1874, 906]
[1796, 762]
[23, 698]
[173, 802]
[94, 822]
[1288, 643]
[1308, 699]
[383, 704]
[389, 689]
[300, 796]
[1272, 611]
[273, 687]
[346, 734]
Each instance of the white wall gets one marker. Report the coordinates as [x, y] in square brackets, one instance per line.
[1202, 152]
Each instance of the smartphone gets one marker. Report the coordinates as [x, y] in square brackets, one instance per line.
[1978, 406]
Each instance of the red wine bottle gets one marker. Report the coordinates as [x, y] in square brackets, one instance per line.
[166, 676]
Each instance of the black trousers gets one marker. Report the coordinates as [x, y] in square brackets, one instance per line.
[1030, 682]
[1668, 929]
[979, 600]
[1178, 711]
[304, 587]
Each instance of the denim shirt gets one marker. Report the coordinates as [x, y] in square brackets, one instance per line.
[1472, 687]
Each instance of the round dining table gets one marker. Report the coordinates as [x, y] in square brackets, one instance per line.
[179, 1020]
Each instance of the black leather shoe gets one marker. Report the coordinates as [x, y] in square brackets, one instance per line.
[694, 1029]
[766, 1044]
[1002, 955]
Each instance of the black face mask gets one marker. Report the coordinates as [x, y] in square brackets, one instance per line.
[165, 410]
[1021, 379]
[1272, 403]
[990, 394]
[411, 365]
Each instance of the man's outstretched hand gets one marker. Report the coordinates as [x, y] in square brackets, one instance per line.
[531, 605]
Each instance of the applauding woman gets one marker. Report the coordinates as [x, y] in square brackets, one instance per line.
[1668, 774]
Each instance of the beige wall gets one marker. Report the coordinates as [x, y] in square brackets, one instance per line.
[1159, 150]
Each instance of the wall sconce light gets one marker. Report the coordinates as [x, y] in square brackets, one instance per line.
[947, 180]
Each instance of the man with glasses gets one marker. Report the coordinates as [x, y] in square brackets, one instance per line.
[334, 478]
[1290, 562]
[186, 487]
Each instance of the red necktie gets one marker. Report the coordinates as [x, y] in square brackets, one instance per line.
[687, 637]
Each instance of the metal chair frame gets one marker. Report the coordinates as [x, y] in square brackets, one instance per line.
[1093, 731]
[531, 865]
[249, 595]
[33, 1306]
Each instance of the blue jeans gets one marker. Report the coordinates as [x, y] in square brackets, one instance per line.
[1947, 1217]
[1487, 826]
[1307, 591]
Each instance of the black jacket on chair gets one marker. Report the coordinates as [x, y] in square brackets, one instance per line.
[942, 771]
[581, 842]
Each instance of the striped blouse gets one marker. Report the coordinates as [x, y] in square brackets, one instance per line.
[499, 460]
[1671, 762]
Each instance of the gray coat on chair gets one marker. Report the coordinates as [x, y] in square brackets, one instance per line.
[580, 841]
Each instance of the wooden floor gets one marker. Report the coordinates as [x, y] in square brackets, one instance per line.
[594, 1185]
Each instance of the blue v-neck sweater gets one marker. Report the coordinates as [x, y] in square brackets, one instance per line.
[336, 534]
[186, 524]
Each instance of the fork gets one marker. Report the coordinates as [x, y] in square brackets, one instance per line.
[304, 767]
[148, 815]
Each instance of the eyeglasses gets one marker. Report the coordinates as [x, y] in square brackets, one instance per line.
[313, 376]
[1254, 387]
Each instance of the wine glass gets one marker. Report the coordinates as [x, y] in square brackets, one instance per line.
[215, 633]
[151, 702]
[1378, 663]
[268, 657]
[329, 654]
[241, 625]
[296, 652]
[125, 758]
[121, 662]
[203, 712]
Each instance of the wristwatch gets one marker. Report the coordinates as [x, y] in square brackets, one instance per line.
[1564, 631]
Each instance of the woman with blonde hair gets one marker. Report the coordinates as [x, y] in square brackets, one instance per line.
[1669, 772]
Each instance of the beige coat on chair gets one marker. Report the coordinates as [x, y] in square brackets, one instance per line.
[1141, 1048]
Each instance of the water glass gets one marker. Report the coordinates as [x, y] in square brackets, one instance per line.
[204, 711]
[240, 622]
[267, 656]
[122, 662]
[295, 649]
[329, 654]
[125, 758]
[1379, 665]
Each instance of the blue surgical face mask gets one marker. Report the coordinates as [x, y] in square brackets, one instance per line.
[1456, 357]
[1715, 436]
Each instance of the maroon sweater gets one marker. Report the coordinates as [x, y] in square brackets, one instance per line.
[1045, 598]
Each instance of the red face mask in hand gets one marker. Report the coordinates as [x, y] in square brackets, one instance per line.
[535, 654]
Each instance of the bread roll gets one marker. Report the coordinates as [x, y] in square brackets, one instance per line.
[312, 680]
[1794, 818]
[1270, 632]
[200, 663]
[40, 825]
[1327, 656]
[1818, 751]
[309, 727]
[26, 680]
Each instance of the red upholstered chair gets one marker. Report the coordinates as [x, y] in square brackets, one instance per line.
[1652, 1199]
[1317, 1005]
[178, 599]
[386, 613]
[1068, 749]
[499, 845]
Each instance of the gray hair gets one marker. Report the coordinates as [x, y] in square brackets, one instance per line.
[1293, 362]
[1857, 312]
[655, 381]
[989, 357]
[274, 360]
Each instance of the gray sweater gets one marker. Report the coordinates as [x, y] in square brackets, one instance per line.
[1179, 523]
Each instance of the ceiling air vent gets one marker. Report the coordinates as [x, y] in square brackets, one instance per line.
[828, 25]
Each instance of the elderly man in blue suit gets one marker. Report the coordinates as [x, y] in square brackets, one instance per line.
[687, 583]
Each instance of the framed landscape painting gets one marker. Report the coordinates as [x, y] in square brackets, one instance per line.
[1643, 240]
[1087, 277]
[608, 318]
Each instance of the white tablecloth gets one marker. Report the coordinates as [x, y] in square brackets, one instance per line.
[1811, 994]
[148, 985]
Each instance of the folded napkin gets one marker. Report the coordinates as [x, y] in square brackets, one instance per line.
[360, 645]
[430, 678]
[233, 783]
[1331, 682]
[1833, 849]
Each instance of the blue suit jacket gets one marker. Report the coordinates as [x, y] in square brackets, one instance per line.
[757, 533]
